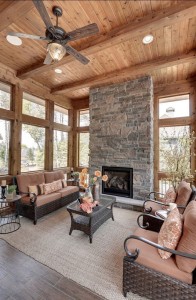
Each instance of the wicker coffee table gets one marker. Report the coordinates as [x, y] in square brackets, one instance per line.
[89, 223]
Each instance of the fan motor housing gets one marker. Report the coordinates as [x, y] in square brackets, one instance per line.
[60, 33]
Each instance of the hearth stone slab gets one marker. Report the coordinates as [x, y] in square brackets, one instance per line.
[129, 203]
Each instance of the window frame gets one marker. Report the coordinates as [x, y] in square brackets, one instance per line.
[169, 122]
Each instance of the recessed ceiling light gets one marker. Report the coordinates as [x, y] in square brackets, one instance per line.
[58, 71]
[148, 39]
[14, 40]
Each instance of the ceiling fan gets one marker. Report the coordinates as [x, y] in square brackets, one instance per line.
[57, 37]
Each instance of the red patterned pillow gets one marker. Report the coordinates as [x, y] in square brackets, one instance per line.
[170, 232]
[57, 185]
[170, 197]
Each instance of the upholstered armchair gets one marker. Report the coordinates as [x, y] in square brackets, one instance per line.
[147, 274]
[181, 197]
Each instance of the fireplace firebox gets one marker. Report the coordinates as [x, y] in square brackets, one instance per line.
[119, 183]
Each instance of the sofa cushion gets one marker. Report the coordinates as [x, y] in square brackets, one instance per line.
[187, 242]
[36, 189]
[64, 183]
[26, 180]
[183, 193]
[68, 190]
[150, 258]
[43, 199]
[53, 176]
[170, 232]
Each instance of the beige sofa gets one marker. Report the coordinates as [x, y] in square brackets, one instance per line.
[36, 206]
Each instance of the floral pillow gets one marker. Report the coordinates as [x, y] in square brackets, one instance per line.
[170, 232]
[49, 188]
[170, 197]
[36, 189]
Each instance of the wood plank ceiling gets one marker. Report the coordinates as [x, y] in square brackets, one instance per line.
[116, 53]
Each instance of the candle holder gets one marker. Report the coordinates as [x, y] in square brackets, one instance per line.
[3, 189]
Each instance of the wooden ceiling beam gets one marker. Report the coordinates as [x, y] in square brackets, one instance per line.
[141, 26]
[15, 10]
[139, 69]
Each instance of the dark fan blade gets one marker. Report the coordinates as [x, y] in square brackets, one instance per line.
[83, 31]
[28, 36]
[48, 59]
[77, 55]
[44, 15]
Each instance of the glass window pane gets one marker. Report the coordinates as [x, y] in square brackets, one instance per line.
[60, 115]
[172, 144]
[84, 118]
[33, 148]
[33, 106]
[4, 146]
[5, 96]
[84, 149]
[60, 144]
[173, 107]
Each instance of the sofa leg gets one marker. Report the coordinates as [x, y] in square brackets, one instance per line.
[124, 293]
[35, 222]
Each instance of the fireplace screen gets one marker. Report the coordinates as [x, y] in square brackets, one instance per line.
[119, 183]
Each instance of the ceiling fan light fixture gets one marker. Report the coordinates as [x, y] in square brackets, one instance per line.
[58, 71]
[148, 39]
[14, 40]
[56, 50]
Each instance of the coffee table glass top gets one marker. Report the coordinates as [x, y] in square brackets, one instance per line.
[103, 202]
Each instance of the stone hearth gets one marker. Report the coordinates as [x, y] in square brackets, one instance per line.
[121, 130]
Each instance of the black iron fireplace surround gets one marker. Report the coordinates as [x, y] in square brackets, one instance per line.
[120, 181]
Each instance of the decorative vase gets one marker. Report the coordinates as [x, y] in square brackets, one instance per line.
[95, 191]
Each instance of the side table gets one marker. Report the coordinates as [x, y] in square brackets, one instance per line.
[9, 215]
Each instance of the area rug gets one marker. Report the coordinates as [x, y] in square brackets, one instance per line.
[97, 266]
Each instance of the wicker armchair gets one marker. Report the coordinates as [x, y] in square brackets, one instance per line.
[150, 206]
[147, 274]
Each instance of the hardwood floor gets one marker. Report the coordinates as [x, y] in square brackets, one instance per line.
[23, 278]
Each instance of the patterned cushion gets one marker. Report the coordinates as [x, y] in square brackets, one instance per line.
[49, 188]
[170, 233]
[64, 183]
[36, 189]
[170, 197]
[57, 185]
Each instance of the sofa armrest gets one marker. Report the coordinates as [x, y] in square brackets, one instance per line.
[149, 209]
[134, 255]
[33, 197]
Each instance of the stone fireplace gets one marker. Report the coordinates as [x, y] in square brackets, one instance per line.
[121, 130]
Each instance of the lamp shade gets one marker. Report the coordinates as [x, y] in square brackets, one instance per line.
[57, 51]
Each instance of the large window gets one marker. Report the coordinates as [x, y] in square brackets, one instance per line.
[175, 125]
[60, 115]
[32, 148]
[60, 149]
[84, 118]
[4, 146]
[33, 106]
[5, 95]
[83, 149]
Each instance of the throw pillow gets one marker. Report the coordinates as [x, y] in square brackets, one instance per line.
[57, 185]
[170, 197]
[183, 194]
[187, 242]
[64, 183]
[36, 189]
[170, 233]
[48, 188]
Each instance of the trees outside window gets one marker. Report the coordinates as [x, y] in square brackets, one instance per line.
[60, 149]
[32, 148]
[60, 115]
[4, 146]
[33, 106]
[5, 96]
[84, 118]
[83, 149]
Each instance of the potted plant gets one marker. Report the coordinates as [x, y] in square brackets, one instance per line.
[75, 175]
[11, 192]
